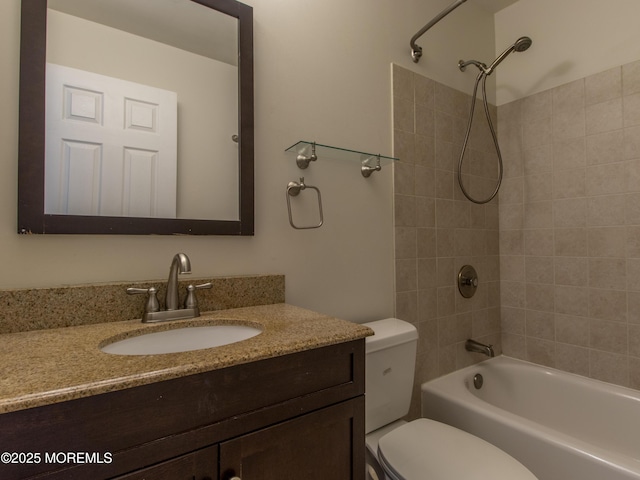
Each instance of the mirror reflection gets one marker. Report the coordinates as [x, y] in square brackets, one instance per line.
[140, 115]
[147, 117]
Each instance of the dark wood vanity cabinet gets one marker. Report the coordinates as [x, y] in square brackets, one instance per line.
[289, 417]
[198, 465]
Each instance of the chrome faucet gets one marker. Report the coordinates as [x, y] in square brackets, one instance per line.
[474, 346]
[173, 310]
[179, 264]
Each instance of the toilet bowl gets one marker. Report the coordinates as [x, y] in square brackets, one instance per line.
[422, 449]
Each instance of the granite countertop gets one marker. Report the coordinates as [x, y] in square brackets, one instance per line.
[43, 367]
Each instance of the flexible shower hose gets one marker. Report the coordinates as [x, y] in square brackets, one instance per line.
[481, 76]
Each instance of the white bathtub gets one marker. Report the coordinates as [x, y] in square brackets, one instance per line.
[561, 426]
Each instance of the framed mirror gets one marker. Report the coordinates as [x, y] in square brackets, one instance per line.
[136, 117]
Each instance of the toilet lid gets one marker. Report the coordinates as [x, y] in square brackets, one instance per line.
[425, 449]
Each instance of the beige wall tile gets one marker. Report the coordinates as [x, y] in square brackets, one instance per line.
[403, 83]
[568, 183]
[607, 241]
[571, 300]
[609, 367]
[606, 179]
[426, 212]
[571, 271]
[424, 181]
[513, 320]
[426, 274]
[608, 304]
[407, 306]
[425, 150]
[570, 242]
[512, 294]
[539, 269]
[539, 242]
[633, 307]
[631, 142]
[608, 273]
[538, 215]
[633, 175]
[631, 105]
[405, 210]
[570, 212]
[541, 351]
[406, 275]
[604, 117]
[606, 210]
[605, 148]
[424, 91]
[537, 106]
[540, 325]
[572, 330]
[569, 123]
[572, 359]
[538, 156]
[568, 97]
[405, 242]
[632, 208]
[425, 120]
[603, 86]
[631, 78]
[540, 297]
[514, 345]
[569, 153]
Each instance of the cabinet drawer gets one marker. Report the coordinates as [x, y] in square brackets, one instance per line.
[200, 465]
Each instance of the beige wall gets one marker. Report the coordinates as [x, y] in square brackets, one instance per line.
[322, 73]
[572, 39]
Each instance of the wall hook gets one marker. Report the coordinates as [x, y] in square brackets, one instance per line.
[303, 161]
[367, 169]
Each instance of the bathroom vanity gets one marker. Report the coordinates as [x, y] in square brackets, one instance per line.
[286, 404]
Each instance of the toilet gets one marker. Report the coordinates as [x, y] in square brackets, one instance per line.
[422, 449]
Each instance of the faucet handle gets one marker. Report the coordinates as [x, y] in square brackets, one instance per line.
[192, 301]
[152, 301]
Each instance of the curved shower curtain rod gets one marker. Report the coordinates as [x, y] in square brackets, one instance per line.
[416, 50]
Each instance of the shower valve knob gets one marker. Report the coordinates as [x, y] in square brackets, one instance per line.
[467, 281]
[473, 282]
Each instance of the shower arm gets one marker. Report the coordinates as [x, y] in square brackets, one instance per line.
[416, 50]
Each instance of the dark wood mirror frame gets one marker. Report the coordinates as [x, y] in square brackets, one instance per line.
[31, 216]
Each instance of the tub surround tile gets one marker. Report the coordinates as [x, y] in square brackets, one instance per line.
[582, 303]
[43, 308]
[449, 230]
[603, 86]
[49, 366]
[559, 251]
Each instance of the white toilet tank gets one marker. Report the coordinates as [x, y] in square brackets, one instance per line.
[390, 365]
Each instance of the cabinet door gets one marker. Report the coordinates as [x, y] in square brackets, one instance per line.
[326, 444]
[199, 465]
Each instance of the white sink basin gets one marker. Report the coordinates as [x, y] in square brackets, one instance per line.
[181, 340]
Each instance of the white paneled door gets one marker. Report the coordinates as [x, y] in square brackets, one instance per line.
[111, 146]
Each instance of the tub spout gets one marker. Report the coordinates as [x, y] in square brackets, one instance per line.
[473, 346]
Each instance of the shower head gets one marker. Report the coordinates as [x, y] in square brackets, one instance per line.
[522, 44]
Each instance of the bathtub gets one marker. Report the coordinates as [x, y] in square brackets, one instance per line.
[560, 426]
